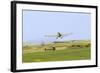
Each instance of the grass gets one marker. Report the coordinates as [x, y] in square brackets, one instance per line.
[57, 55]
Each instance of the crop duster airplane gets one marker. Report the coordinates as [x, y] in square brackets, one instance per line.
[58, 35]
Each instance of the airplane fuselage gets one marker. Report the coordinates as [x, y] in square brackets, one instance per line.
[58, 35]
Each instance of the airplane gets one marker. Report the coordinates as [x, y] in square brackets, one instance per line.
[58, 35]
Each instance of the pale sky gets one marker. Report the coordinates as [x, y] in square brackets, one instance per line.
[37, 24]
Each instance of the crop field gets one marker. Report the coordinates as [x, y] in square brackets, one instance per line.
[57, 51]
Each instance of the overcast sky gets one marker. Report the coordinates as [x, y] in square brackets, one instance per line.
[37, 24]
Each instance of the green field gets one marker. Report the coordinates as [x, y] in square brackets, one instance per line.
[64, 51]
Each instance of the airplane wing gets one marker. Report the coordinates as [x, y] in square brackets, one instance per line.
[66, 34]
[50, 35]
